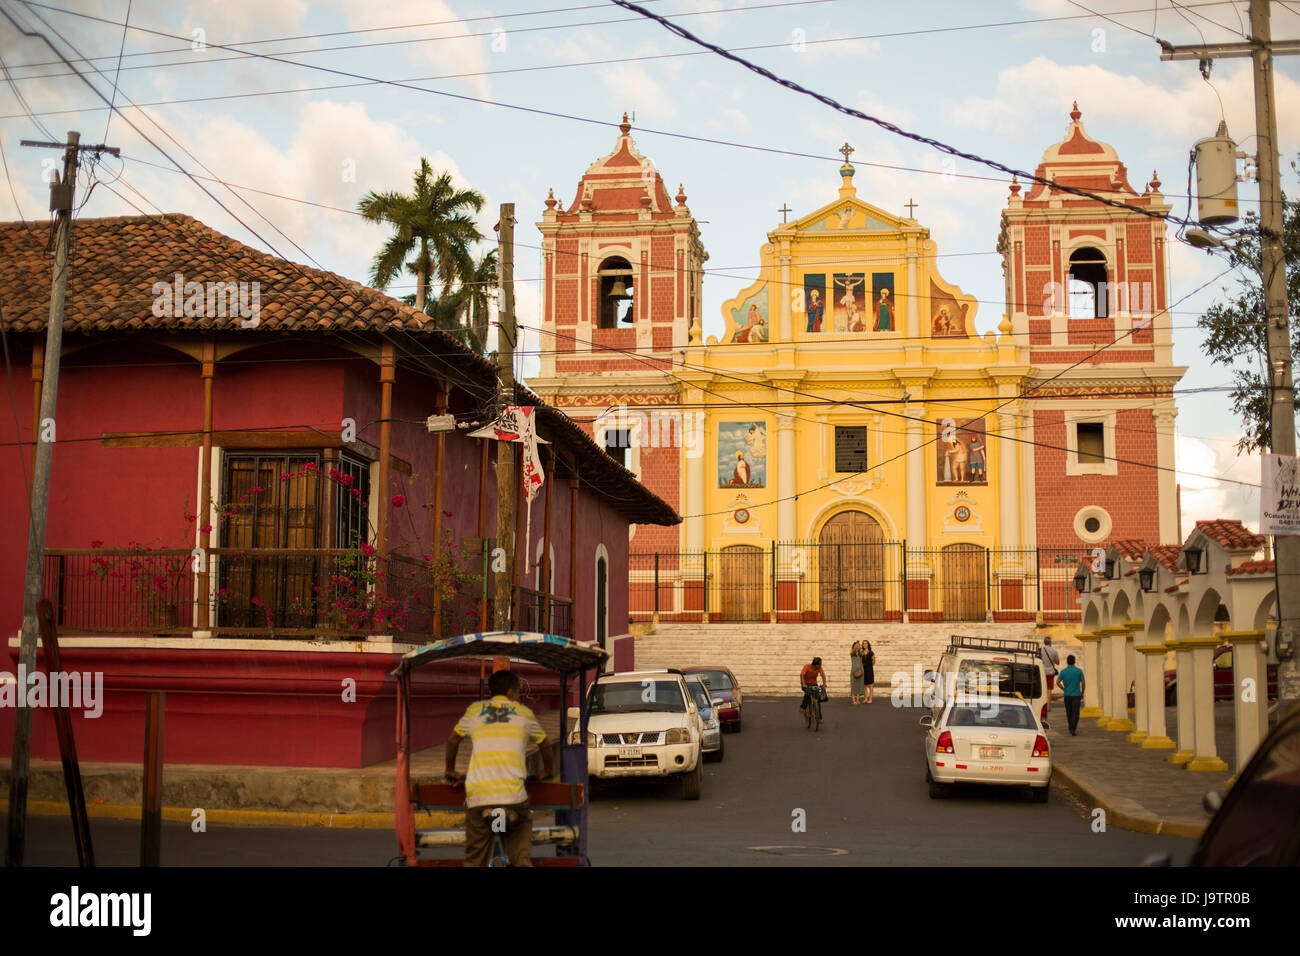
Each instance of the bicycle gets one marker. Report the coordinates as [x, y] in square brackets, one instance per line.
[813, 712]
[497, 855]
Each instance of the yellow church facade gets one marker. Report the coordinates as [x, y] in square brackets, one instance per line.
[851, 448]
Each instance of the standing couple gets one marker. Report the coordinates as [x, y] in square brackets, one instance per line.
[862, 667]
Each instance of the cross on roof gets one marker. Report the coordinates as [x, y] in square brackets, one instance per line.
[847, 150]
[784, 211]
[910, 206]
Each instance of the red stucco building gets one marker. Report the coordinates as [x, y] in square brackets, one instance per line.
[248, 511]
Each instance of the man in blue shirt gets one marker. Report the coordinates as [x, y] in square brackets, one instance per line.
[1071, 680]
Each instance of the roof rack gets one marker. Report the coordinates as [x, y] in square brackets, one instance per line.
[1006, 644]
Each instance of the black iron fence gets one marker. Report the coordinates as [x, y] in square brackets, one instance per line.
[855, 580]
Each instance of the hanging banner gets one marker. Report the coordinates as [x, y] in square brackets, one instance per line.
[518, 423]
[1279, 495]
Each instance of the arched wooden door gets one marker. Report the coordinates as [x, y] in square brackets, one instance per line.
[965, 582]
[851, 568]
[740, 583]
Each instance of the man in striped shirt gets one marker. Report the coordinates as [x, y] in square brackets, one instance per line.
[496, 800]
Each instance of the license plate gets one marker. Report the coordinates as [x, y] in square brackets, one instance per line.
[629, 751]
[990, 753]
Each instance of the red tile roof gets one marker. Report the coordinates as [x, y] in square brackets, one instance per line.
[1231, 534]
[1132, 548]
[1167, 555]
[117, 261]
[1253, 567]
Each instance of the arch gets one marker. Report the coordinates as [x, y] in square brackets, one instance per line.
[827, 512]
[616, 287]
[1207, 611]
[1105, 612]
[1159, 623]
[1267, 608]
[1184, 628]
[1091, 616]
[1086, 283]
[1120, 611]
[851, 567]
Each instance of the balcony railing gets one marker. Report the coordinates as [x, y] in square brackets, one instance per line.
[319, 594]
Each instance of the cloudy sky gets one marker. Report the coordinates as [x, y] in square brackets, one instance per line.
[516, 97]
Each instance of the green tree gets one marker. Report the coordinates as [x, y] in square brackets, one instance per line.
[433, 234]
[466, 310]
[1236, 336]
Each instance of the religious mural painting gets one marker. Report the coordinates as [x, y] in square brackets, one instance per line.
[883, 309]
[742, 455]
[814, 301]
[850, 302]
[750, 319]
[961, 452]
[947, 315]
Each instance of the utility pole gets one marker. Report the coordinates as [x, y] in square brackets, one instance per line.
[506, 331]
[61, 195]
[1261, 49]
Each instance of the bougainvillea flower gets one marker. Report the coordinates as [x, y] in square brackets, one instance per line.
[399, 500]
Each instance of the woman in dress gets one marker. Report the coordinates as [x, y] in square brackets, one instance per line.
[856, 686]
[868, 669]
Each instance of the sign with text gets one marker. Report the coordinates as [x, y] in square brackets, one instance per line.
[1279, 495]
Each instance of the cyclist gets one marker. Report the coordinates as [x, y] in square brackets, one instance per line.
[500, 729]
[808, 681]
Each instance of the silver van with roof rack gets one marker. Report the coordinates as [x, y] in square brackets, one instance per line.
[989, 665]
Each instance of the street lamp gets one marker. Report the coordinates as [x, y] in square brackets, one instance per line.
[1080, 580]
[1192, 558]
[1147, 579]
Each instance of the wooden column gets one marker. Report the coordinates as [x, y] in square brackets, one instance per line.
[440, 457]
[387, 372]
[482, 534]
[546, 546]
[203, 588]
[38, 379]
[573, 546]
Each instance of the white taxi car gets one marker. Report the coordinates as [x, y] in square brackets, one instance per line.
[645, 724]
[987, 739]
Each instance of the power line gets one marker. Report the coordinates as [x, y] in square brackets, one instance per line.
[886, 124]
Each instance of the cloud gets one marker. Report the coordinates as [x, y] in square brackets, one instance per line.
[634, 87]
[1203, 463]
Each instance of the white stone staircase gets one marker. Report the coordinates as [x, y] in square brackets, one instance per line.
[766, 658]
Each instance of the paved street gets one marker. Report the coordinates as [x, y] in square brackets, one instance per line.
[860, 781]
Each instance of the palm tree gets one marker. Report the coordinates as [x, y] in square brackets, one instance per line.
[432, 235]
[476, 293]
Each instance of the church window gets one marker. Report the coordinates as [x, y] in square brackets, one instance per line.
[617, 306]
[850, 448]
[1090, 440]
[617, 442]
[1086, 287]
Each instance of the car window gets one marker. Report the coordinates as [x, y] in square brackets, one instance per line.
[699, 693]
[1258, 826]
[635, 697]
[990, 717]
[715, 680]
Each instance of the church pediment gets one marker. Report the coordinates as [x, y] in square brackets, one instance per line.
[847, 215]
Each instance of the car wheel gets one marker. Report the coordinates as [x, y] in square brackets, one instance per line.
[715, 756]
[1040, 794]
[1171, 696]
[939, 791]
[691, 782]
[928, 778]
[735, 728]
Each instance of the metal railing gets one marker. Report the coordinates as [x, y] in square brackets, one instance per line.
[855, 580]
[321, 594]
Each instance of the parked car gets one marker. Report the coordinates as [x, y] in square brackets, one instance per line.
[1223, 679]
[644, 724]
[1258, 822]
[724, 690]
[712, 741]
[989, 740]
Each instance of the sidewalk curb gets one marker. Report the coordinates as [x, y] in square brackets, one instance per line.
[251, 818]
[1122, 812]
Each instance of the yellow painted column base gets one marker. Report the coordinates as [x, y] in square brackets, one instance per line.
[1206, 763]
[1120, 725]
[1137, 736]
[1181, 756]
[1103, 720]
[1090, 712]
[1158, 743]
